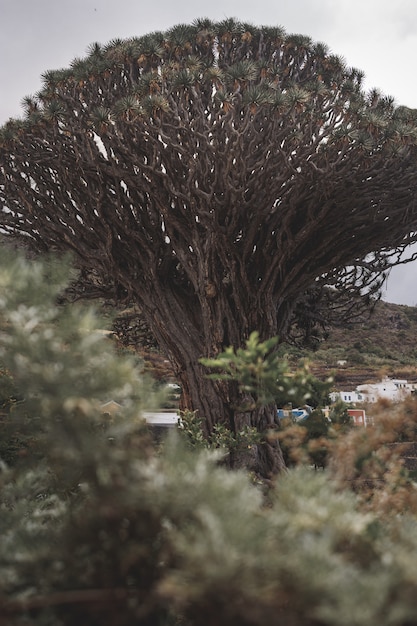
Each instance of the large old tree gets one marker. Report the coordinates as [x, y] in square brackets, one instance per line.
[218, 175]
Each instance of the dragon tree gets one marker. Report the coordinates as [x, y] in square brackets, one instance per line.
[221, 176]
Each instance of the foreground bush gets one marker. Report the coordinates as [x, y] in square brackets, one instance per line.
[379, 463]
[98, 529]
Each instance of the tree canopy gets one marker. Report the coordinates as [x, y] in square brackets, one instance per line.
[218, 175]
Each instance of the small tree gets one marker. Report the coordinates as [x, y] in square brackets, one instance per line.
[219, 176]
[264, 378]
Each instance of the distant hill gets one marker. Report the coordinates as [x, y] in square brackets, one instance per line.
[383, 343]
[378, 344]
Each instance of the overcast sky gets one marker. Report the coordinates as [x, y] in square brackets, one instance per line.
[376, 36]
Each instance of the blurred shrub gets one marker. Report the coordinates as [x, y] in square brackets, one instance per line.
[102, 530]
[379, 463]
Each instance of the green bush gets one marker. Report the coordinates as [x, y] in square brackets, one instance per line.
[98, 528]
[262, 373]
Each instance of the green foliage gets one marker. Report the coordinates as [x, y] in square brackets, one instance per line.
[43, 345]
[354, 356]
[379, 462]
[104, 531]
[307, 443]
[255, 367]
[191, 430]
[12, 442]
[260, 371]
[339, 415]
[317, 426]
[56, 359]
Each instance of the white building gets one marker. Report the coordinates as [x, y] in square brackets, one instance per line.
[349, 397]
[394, 390]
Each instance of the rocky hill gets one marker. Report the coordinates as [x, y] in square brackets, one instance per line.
[383, 343]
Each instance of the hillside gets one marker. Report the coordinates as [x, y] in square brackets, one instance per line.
[380, 344]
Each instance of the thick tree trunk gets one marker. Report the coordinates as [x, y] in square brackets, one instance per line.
[265, 458]
[218, 402]
[185, 341]
[209, 398]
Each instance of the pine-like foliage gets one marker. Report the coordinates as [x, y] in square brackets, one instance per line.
[98, 529]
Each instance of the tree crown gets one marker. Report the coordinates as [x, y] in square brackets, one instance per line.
[215, 157]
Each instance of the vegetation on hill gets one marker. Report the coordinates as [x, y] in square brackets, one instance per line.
[379, 343]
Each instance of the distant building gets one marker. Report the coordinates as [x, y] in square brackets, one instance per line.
[360, 418]
[111, 407]
[349, 397]
[297, 415]
[392, 389]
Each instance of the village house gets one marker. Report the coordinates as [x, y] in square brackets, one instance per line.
[392, 389]
[360, 418]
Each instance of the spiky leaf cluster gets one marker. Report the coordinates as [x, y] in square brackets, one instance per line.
[189, 134]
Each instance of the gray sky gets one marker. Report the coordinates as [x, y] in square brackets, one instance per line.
[376, 36]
